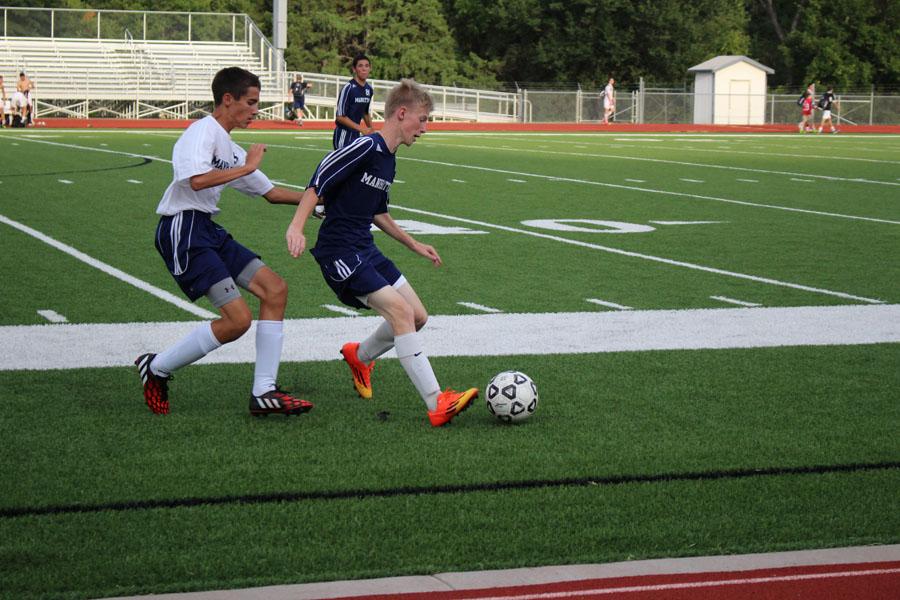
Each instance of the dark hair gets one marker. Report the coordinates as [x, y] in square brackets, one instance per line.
[235, 81]
[360, 57]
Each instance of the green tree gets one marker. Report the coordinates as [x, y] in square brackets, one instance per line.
[586, 41]
[850, 43]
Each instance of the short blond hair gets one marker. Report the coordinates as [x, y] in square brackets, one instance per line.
[407, 93]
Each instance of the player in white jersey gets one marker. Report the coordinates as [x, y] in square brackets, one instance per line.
[206, 261]
[609, 100]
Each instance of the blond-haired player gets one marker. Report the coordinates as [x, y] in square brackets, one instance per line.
[355, 182]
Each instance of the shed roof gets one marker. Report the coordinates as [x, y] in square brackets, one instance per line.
[720, 62]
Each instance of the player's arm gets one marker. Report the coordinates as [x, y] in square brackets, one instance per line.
[368, 119]
[387, 224]
[349, 124]
[222, 176]
[280, 195]
[296, 241]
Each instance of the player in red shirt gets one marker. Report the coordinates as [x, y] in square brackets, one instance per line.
[807, 106]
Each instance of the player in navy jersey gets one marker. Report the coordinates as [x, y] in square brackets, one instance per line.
[206, 261]
[353, 105]
[826, 103]
[355, 182]
[352, 111]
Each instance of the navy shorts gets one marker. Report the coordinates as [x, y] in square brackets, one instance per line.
[198, 252]
[299, 103]
[358, 274]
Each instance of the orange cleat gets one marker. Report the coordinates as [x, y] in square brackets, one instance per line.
[449, 404]
[362, 372]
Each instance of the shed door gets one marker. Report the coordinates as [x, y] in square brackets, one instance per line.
[739, 102]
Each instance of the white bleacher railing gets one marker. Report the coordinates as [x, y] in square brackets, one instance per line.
[135, 64]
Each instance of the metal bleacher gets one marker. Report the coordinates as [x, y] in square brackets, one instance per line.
[159, 64]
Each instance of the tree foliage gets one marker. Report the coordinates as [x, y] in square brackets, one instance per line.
[849, 43]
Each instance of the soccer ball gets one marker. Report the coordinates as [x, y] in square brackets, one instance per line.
[511, 396]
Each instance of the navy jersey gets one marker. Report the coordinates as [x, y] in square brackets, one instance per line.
[353, 103]
[298, 89]
[355, 182]
[826, 101]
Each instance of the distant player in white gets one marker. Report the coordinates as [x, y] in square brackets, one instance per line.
[22, 99]
[609, 100]
[206, 261]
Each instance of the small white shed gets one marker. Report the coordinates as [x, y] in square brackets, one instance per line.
[730, 90]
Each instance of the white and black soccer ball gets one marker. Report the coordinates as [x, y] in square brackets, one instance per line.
[511, 396]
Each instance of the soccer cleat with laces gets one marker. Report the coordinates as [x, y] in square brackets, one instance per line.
[362, 372]
[449, 404]
[277, 402]
[156, 388]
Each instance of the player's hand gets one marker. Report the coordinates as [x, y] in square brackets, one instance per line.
[428, 252]
[255, 155]
[296, 241]
[367, 130]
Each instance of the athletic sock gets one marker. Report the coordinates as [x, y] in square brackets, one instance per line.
[269, 342]
[191, 348]
[381, 340]
[411, 352]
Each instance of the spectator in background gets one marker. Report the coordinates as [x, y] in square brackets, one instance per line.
[4, 103]
[25, 87]
[825, 104]
[298, 92]
[807, 106]
[609, 100]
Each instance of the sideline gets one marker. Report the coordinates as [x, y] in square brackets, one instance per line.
[485, 580]
[50, 346]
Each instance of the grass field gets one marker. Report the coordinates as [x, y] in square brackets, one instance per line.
[746, 447]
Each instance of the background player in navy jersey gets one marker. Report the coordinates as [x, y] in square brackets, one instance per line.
[298, 91]
[826, 103]
[355, 182]
[206, 261]
[352, 117]
[353, 105]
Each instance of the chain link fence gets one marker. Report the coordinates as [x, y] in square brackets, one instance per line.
[660, 105]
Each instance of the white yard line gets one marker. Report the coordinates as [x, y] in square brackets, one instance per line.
[649, 257]
[110, 270]
[52, 316]
[673, 162]
[728, 300]
[480, 307]
[46, 347]
[342, 310]
[608, 304]
[691, 180]
[66, 181]
[651, 191]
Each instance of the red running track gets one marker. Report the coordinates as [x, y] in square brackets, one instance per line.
[858, 581]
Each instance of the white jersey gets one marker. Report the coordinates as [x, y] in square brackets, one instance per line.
[203, 147]
[609, 94]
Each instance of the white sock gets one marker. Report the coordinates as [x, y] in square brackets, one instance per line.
[411, 352]
[191, 348]
[381, 340]
[269, 341]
